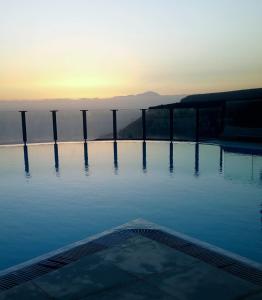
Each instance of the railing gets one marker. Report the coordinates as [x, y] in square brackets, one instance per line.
[144, 124]
[181, 122]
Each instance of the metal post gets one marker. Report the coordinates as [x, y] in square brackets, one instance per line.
[84, 124]
[54, 124]
[23, 118]
[144, 123]
[114, 124]
[197, 125]
[171, 124]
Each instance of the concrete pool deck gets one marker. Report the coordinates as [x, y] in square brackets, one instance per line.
[138, 260]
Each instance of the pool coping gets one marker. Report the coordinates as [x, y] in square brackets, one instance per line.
[148, 229]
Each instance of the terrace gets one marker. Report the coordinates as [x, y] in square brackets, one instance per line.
[138, 260]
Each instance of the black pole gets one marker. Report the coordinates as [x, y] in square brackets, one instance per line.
[54, 124]
[114, 124]
[144, 123]
[144, 156]
[197, 125]
[84, 124]
[171, 164]
[171, 124]
[23, 118]
[26, 161]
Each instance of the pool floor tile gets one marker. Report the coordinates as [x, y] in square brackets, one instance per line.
[137, 291]
[203, 282]
[255, 296]
[88, 275]
[142, 256]
[26, 291]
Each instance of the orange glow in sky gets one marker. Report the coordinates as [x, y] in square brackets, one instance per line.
[102, 48]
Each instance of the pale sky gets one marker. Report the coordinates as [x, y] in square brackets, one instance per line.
[102, 48]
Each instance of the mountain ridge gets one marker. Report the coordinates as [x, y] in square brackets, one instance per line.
[137, 101]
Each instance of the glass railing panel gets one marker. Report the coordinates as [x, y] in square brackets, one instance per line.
[210, 126]
[129, 124]
[100, 124]
[39, 126]
[157, 124]
[243, 120]
[10, 127]
[69, 125]
[184, 124]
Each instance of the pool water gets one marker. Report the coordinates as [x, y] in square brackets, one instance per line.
[51, 196]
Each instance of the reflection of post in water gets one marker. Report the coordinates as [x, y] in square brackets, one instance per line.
[196, 159]
[56, 155]
[115, 156]
[171, 164]
[86, 156]
[26, 161]
[144, 156]
[221, 160]
[261, 214]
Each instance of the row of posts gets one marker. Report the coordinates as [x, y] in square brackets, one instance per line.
[115, 137]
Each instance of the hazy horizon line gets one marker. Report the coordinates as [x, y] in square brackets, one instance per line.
[146, 93]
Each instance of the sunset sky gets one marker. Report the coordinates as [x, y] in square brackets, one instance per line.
[102, 48]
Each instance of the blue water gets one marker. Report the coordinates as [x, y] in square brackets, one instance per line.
[207, 193]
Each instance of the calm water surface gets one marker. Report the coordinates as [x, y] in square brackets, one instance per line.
[52, 196]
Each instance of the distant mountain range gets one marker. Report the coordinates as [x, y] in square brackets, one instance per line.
[213, 99]
[239, 95]
[125, 102]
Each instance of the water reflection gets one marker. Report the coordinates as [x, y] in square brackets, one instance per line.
[26, 162]
[239, 167]
[115, 157]
[237, 191]
[220, 160]
[196, 160]
[56, 156]
[144, 157]
[86, 157]
[244, 167]
[171, 163]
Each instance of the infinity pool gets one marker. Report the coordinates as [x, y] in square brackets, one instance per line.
[51, 196]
